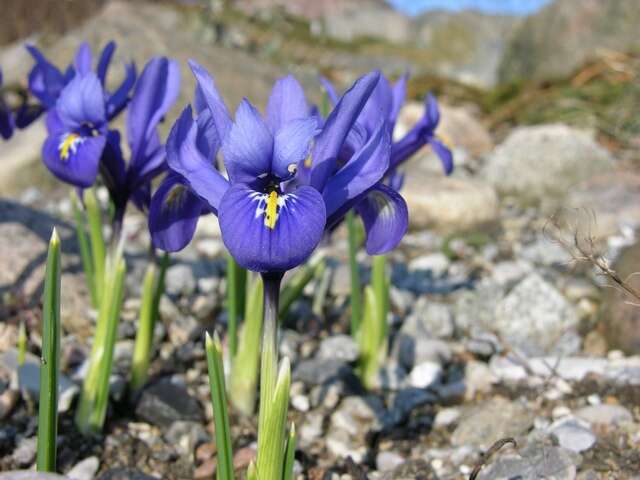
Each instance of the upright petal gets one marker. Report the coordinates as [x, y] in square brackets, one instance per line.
[432, 111]
[173, 214]
[336, 129]
[385, 217]
[157, 89]
[367, 167]
[292, 145]
[105, 60]
[378, 106]
[113, 169]
[83, 59]
[271, 232]
[210, 95]
[329, 90]
[184, 157]
[286, 103]
[82, 102]
[117, 101]
[444, 153]
[45, 80]
[248, 147]
[399, 93]
[72, 158]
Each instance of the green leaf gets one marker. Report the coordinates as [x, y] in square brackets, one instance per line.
[271, 433]
[22, 343]
[94, 397]
[98, 250]
[292, 290]
[85, 249]
[290, 454]
[220, 414]
[243, 389]
[236, 297]
[49, 370]
[371, 331]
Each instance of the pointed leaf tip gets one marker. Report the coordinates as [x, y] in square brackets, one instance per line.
[55, 238]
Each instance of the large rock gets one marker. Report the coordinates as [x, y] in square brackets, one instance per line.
[612, 200]
[467, 46]
[368, 22]
[24, 238]
[30, 475]
[449, 204]
[620, 315]
[542, 163]
[536, 319]
[566, 33]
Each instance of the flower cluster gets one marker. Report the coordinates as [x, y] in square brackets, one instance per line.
[292, 175]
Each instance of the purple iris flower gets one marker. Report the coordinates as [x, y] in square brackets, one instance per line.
[47, 82]
[7, 122]
[80, 144]
[155, 92]
[271, 216]
[388, 99]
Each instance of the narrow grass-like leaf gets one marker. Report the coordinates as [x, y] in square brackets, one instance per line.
[220, 413]
[369, 339]
[94, 398]
[144, 335]
[85, 249]
[320, 295]
[380, 285]
[98, 250]
[271, 437]
[294, 287]
[252, 474]
[49, 369]
[152, 291]
[356, 288]
[236, 293]
[22, 343]
[246, 363]
[290, 454]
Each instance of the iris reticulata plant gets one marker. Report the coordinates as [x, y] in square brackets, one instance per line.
[289, 181]
[369, 318]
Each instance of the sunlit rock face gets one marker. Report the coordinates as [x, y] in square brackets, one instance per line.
[566, 33]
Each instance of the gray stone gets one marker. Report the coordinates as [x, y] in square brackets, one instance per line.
[482, 425]
[542, 163]
[412, 470]
[25, 454]
[536, 319]
[437, 263]
[317, 371]
[386, 461]
[30, 475]
[85, 469]
[186, 436]
[339, 347]
[413, 350]
[449, 205]
[605, 414]
[28, 376]
[164, 402]
[425, 374]
[533, 463]
[408, 399]
[122, 473]
[568, 368]
[572, 434]
[429, 319]
[180, 280]
[446, 417]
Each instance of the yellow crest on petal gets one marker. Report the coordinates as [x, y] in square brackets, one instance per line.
[68, 145]
[271, 211]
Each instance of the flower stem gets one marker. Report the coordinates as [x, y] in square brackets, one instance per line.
[356, 292]
[274, 388]
[85, 250]
[98, 248]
